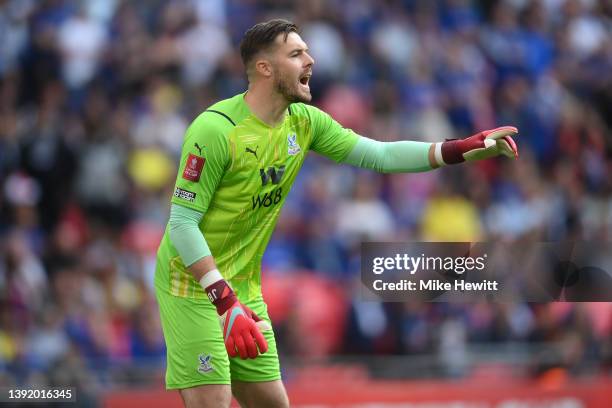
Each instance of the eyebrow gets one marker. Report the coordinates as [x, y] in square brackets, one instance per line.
[305, 49]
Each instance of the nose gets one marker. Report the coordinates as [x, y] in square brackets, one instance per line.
[309, 60]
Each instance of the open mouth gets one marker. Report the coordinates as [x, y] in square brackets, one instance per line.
[305, 79]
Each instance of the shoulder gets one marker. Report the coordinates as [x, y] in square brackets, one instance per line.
[303, 109]
[231, 111]
[219, 118]
[318, 119]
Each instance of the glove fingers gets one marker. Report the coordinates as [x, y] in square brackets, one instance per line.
[230, 346]
[512, 145]
[507, 147]
[251, 348]
[242, 350]
[500, 132]
[262, 344]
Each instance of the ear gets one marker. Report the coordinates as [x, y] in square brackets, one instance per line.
[263, 67]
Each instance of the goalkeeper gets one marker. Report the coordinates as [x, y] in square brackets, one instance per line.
[239, 160]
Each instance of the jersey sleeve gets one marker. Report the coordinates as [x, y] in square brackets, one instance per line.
[329, 138]
[204, 158]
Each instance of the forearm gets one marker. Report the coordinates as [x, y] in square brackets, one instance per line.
[189, 241]
[393, 157]
[199, 268]
[191, 245]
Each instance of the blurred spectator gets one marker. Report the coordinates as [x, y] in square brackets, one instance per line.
[161, 125]
[81, 42]
[364, 217]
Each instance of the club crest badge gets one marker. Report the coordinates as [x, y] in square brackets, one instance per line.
[205, 365]
[293, 147]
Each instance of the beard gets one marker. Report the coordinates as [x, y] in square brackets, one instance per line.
[290, 90]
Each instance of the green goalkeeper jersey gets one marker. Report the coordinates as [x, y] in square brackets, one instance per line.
[237, 170]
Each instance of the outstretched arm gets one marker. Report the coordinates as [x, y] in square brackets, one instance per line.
[410, 156]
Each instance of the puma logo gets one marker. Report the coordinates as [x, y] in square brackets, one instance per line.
[254, 152]
[197, 146]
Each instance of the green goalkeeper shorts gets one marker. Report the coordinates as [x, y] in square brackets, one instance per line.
[196, 353]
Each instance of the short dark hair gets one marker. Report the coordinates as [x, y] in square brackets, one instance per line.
[262, 35]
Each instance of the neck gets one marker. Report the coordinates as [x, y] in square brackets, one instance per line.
[267, 105]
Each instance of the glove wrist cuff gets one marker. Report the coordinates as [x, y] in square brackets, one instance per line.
[451, 152]
[218, 291]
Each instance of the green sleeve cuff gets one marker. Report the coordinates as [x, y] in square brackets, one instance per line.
[185, 234]
[390, 157]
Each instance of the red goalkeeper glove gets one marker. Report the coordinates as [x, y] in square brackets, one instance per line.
[242, 328]
[483, 145]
